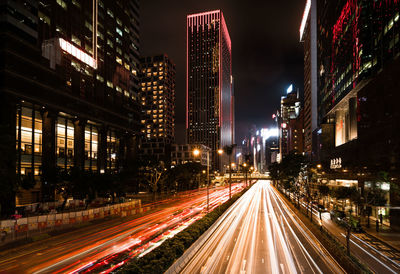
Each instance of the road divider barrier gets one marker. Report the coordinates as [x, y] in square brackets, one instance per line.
[21, 227]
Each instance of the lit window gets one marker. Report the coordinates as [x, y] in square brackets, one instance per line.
[109, 12]
[119, 41]
[76, 3]
[119, 31]
[127, 66]
[148, 74]
[110, 43]
[99, 78]
[44, 18]
[88, 25]
[118, 89]
[62, 4]
[118, 60]
[109, 84]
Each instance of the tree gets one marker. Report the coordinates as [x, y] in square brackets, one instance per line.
[229, 150]
[324, 191]
[274, 172]
[289, 170]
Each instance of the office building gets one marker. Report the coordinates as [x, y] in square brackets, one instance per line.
[209, 118]
[183, 154]
[290, 110]
[157, 98]
[68, 88]
[358, 84]
[308, 35]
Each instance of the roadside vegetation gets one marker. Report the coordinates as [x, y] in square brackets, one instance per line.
[161, 258]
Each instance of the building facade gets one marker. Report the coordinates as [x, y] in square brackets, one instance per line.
[210, 110]
[157, 97]
[308, 35]
[68, 87]
[290, 110]
[182, 154]
[358, 60]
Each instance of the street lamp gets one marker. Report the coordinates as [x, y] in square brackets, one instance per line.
[196, 152]
[245, 172]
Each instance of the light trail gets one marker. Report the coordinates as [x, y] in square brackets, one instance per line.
[256, 236]
[107, 249]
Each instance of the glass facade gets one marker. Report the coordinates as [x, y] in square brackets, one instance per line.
[29, 142]
[65, 143]
[111, 150]
[91, 147]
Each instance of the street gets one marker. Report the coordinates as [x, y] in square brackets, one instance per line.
[379, 257]
[260, 234]
[106, 246]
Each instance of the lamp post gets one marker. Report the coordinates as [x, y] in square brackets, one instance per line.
[245, 172]
[196, 153]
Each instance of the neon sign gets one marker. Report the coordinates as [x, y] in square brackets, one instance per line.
[77, 53]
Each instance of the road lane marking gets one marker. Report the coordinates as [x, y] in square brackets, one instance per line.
[371, 255]
[283, 269]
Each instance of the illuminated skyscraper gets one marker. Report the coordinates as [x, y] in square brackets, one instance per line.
[209, 82]
[157, 97]
[308, 35]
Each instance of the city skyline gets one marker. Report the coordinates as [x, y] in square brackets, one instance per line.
[264, 68]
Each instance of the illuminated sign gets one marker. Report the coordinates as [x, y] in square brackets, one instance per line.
[77, 53]
[304, 20]
[290, 89]
[267, 133]
[336, 163]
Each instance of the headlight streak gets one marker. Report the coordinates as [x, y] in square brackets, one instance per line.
[314, 243]
[388, 268]
[272, 257]
[288, 256]
[302, 248]
[112, 246]
[393, 262]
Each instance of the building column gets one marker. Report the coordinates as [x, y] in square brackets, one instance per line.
[49, 161]
[353, 118]
[79, 144]
[102, 149]
[8, 182]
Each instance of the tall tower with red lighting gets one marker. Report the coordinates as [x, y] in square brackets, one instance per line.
[209, 93]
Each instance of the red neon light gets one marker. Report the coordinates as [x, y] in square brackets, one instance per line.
[187, 72]
[203, 13]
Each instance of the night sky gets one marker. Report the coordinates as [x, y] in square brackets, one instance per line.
[267, 56]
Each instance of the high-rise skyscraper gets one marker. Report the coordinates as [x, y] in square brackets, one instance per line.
[290, 110]
[157, 97]
[308, 35]
[209, 82]
[68, 91]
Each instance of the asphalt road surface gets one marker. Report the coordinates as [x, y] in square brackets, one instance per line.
[260, 234]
